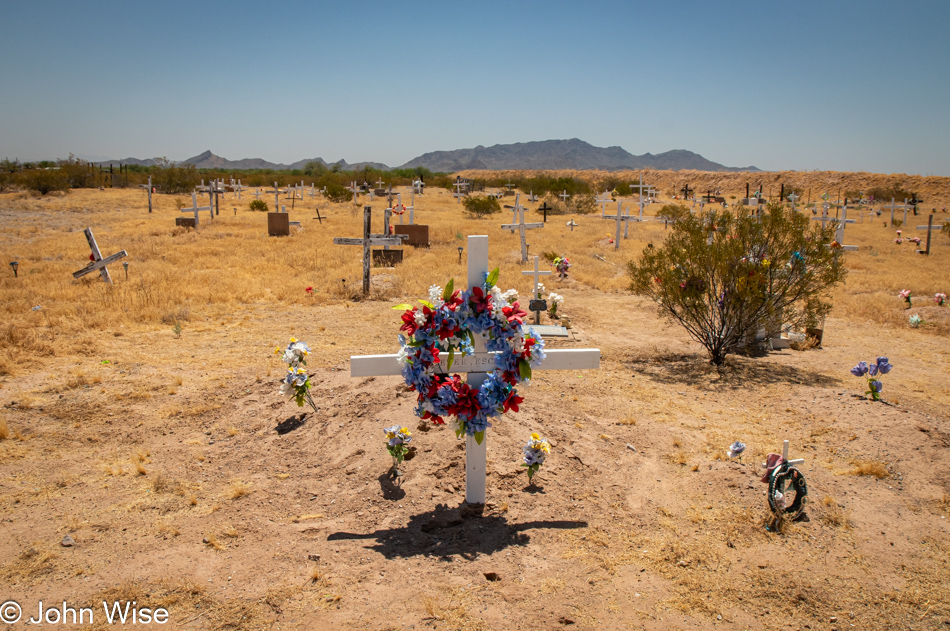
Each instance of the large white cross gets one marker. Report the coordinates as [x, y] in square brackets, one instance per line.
[522, 227]
[195, 208]
[98, 263]
[556, 359]
[564, 197]
[459, 187]
[839, 230]
[602, 200]
[356, 190]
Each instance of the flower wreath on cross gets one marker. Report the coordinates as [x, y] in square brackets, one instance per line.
[446, 324]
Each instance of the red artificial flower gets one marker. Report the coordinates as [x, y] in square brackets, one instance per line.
[309, 290]
[657, 280]
[92, 257]
[435, 418]
[466, 406]
[454, 300]
[409, 322]
[512, 402]
[514, 313]
[480, 300]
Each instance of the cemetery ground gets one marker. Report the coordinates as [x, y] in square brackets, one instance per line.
[143, 420]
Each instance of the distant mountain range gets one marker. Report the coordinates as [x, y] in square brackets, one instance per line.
[543, 155]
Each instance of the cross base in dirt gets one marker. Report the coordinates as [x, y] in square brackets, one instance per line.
[99, 263]
[367, 241]
[475, 365]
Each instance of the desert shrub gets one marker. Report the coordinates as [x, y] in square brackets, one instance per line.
[725, 277]
[337, 193]
[885, 193]
[582, 204]
[481, 206]
[78, 173]
[44, 181]
[672, 212]
[174, 178]
[258, 205]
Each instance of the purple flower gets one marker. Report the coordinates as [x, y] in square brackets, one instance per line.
[872, 369]
[860, 370]
[876, 386]
[883, 366]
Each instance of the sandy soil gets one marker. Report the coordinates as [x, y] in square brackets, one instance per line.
[186, 481]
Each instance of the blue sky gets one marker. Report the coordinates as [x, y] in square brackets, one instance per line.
[845, 85]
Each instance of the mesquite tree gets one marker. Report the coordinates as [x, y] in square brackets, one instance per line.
[727, 275]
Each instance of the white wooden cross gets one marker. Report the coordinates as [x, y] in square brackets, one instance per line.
[839, 230]
[417, 186]
[929, 228]
[793, 198]
[237, 188]
[99, 263]
[824, 216]
[522, 227]
[277, 191]
[572, 224]
[532, 197]
[564, 197]
[355, 190]
[257, 193]
[602, 200]
[556, 359]
[367, 241]
[195, 208]
[514, 210]
[411, 207]
[380, 183]
[621, 218]
[459, 187]
[537, 273]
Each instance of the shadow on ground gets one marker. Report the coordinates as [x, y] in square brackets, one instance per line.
[738, 372]
[446, 531]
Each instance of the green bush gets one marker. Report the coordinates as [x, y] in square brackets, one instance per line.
[481, 206]
[79, 173]
[44, 181]
[726, 277]
[174, 178]
[337, 193]
[258, 205]
[885, 193]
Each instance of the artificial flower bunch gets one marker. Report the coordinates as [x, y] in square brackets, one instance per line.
[534, 453]
[881, 367]
[940, 299]
[904, 295]
[296, 382]
[915, 321]
[446, 324]
[397, 439]
[554, 301]
[914, 240]
[562, 264]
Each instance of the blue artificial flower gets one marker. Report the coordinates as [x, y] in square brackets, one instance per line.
[736, 449]
[883, 366]
[872, 370]
[876, 386]
[860, 370]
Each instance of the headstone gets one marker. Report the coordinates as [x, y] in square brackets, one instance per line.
[278, 224]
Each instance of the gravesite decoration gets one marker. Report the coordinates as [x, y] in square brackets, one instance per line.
[367, 241]
[881, 367]
[929, 228]
[940, 299]
[621, 218]
[735, 450]
[477, 332]
[562, 264]
[296, 382]
[838, 243]
[96, 262]
[534, 453]
[788, 493]
[417, 235]
[536, 304]
[396, 440]
[904, 294]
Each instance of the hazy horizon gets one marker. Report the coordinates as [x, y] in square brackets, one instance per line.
[846, 86]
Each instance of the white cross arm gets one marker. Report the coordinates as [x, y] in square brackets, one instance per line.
[93, 267]
[373, 241]
[512, 226]
[556, 359]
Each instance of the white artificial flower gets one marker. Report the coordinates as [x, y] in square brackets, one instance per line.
[510, 296]
[497, 297]
[401, 355]
[420, 318]
[517, 344]
[435, 294]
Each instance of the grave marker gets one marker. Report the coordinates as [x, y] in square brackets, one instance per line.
[839, 230]
[474, 365]
[929, 228]
[194, 209]
[603, 199]
[367, 241]
[522, 227]
[621, 218]
[537, 273]
[98, 263]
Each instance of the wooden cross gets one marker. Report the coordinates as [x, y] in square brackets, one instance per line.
[355, 190]
[367, 241]
[602, 200]
[459, 187]
[534, 295]
[839, 230]
[929, 228]
[195, 208]
[475, 365]
[257, 193]
[572, 223]
[412, 206]
[620, 217]
[564, 197]
[532, 197]
[686, 190]
[417, 186]
[380, 183]
[98, 263]
[793, 198]
[150, 193]
[824, 216]
[522, 226]
[514, 210]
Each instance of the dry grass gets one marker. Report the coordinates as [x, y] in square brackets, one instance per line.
[238, 489]
[874, 468]
[32, 563]
[4, 429]
[450, 608]
[833, 514]
[212, 542]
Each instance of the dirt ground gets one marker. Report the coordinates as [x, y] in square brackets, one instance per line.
[187, 482]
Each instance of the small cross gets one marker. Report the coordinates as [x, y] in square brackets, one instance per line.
[537, 275]
[98, 263]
